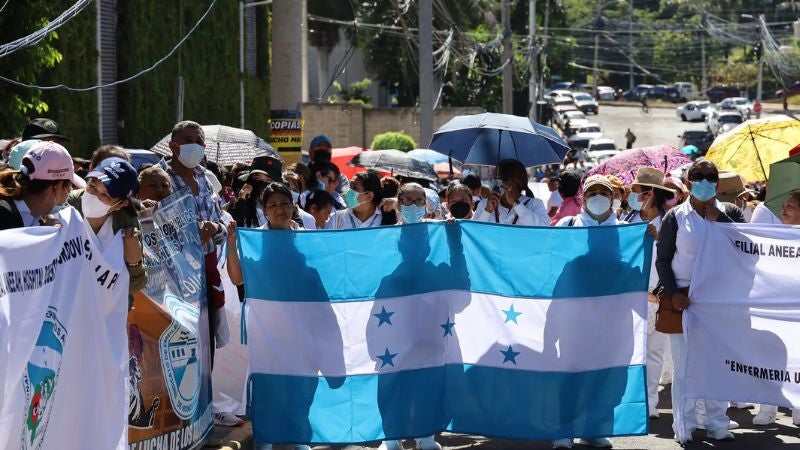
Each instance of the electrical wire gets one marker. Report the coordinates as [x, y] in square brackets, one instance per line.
[348, 54]
[39, 35]
[125, 80]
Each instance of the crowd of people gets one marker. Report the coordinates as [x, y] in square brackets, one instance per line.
[39, 178]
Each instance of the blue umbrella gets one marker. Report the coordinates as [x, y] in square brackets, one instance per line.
[690, 150]
[429, 156]
[486, 139]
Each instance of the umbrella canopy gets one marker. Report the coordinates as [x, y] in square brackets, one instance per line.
[751, 147]
[690, 150]
[626, 163]
[226, 145]
[427, 155]
[784, 177]
[395, 162]
[342, 157]
[487, 139]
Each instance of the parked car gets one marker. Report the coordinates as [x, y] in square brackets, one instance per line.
[693, 110]
[575, 119]
[563, 85]
[674, 96]
[141, 156]
[636, 93]
[687, 91]
[657, 91]
[716, 121]
[793, 90]
[578, 143]
[717, 93]
[561, 93]
[605, 93]
[701, 139]
[602, 144]
[740, 104]
[586, 103]
[584, 87]
[590, 130]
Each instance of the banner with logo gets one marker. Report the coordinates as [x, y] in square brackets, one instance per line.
[743, 325]
[170, 371]
[63, 352]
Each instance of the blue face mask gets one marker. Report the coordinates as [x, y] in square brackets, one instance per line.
[351, 198]
[321, 185]
[633, 201]
[57, 208]
[704, 190]
[412, 213]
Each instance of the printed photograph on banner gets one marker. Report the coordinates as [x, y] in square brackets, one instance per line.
[170, 395]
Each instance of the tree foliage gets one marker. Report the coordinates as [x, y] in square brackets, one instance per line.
[396, 140]
[355, 93]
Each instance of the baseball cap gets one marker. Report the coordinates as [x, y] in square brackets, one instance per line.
[18, 151]
[320, 139]
[118, 176]
[268, 165]
[42, 128]
[595, 180]
[50, 161]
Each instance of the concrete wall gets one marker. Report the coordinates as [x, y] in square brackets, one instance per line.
[348, 125]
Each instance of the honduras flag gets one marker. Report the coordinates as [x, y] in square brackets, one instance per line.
[402, 332]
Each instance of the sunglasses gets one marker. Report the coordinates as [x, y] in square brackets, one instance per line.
[711, 177]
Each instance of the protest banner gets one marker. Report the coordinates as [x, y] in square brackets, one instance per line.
[63, 352]
[513, 332]
[170, 369]
[743, 324]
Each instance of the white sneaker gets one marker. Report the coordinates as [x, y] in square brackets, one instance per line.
[720, 435]
[742, 405]
[654, 414]
[227, 419]
[732, 425]
[428, 443]
[761, 419]
[596, 443]
[391, 445]
[562, 443]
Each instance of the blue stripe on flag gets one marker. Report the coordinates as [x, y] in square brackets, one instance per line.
[465, 399]
[389, 262]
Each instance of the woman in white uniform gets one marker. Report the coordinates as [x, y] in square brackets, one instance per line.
[507, 204]
[363, 202]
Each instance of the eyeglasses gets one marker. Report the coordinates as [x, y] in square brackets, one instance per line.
[409, 202]
[698, 176]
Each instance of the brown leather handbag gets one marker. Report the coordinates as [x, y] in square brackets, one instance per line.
[668, 319]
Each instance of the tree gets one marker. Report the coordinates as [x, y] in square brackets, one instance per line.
[740, 75]
[355, 93]
[396, 140]
[20, 104]
[324, 36]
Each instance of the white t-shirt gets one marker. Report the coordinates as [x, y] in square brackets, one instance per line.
[25, 214]
[345, 220]
[528, 211]
[762, 214]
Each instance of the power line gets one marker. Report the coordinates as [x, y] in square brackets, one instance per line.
[39, 35]
[118, 82]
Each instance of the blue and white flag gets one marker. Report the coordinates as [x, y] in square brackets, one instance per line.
[401, 332]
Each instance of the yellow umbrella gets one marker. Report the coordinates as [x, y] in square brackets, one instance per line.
[751, 147]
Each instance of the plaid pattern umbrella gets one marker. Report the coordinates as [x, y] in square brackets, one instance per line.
[627, 162]
[226, 145]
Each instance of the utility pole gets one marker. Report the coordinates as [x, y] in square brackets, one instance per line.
[425, 71]
[704, 80]
[630, 46]
[507, 55]
[544, 45]
[532, 83]
[594, 66]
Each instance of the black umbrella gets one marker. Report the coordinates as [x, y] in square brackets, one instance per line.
[226, 145]
[395, 162]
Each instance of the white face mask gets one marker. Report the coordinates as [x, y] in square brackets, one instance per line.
[191, 155]
[598, 205]
[92, 207]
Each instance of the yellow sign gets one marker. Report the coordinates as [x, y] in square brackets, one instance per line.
[286, 134]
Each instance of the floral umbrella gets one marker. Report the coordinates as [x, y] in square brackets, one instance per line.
[627, 162]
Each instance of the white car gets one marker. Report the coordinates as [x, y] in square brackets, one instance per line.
[605, 93]
[561, 93]
[575, 119]
[723, 119]
[585, 103]
[589, 130]
[741, 104]
[692, 110]
[599, 157]
[602, 145]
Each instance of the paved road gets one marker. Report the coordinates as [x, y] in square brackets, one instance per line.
[660, 126]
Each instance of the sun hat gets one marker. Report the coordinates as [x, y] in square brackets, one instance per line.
[730, 186]
[50, 161]
[595, 180]
[651, 177]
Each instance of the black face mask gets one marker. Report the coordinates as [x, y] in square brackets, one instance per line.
[322, 157]
[460, 210]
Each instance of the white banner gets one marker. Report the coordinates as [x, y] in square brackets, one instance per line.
[63, 342]
[743, 324]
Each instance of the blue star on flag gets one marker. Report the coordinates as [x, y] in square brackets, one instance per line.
[384, 316]
[388, 358]
[509, 355]
[511, 315]
[448, 327]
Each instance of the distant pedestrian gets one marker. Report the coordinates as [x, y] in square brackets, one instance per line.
[630, 138]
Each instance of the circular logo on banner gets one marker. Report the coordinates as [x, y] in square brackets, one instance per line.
[180, 356]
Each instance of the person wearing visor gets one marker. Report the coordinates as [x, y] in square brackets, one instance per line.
[106, 206]
[682, 231]
[506, 204]
[39, 188]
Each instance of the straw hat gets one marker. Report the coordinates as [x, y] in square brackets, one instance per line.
[652, 177]
[730, 186]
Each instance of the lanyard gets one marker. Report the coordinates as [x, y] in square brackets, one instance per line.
[516, 216]
[353, 222]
